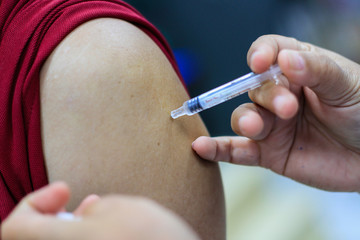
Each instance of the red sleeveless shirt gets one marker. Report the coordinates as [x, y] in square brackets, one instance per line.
[30, 30]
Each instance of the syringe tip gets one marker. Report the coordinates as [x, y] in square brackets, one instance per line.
[178, 112]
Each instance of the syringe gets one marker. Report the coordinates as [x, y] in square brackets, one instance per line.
[226, 92]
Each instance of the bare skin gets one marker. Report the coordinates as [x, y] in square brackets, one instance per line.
[106, 96]
[113, 217]
[307, 127]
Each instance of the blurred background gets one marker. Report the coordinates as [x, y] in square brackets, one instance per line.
[210, 39]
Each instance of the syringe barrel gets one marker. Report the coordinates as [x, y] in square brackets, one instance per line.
[229, 90]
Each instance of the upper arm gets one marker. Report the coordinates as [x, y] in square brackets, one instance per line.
[106, 95]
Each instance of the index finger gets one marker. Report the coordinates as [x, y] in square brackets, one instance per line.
[264, 51]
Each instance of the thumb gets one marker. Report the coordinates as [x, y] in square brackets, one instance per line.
[318, 71]
[49, 199]
[86, 203]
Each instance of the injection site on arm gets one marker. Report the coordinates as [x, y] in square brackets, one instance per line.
[226, 92]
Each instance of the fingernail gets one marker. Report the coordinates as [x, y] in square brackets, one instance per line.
[296, 61]
[193, 143]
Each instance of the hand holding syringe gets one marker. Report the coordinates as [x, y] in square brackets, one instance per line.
[225, 92]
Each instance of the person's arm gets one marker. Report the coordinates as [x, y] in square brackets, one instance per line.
[305, 128]
[106, 96]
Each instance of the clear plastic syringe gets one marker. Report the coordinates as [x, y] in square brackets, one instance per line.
[226, 92]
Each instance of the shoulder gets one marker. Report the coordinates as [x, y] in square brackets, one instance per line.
[107, 74]
[103, 43]
[108, 57]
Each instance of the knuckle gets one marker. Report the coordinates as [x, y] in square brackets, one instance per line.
[325, 66]
[292, 39]
[263, 37]
[268, 38]
[299, 45]
[295, 42]
[304, 46]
